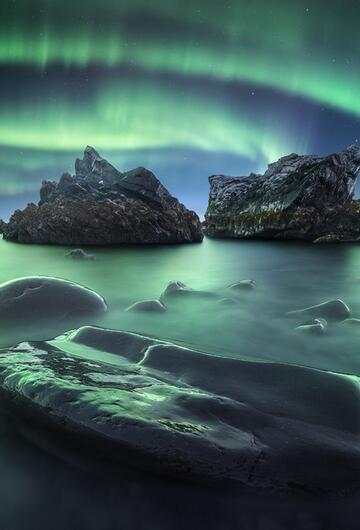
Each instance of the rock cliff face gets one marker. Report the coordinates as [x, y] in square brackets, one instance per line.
[298, 197]
[100, 205]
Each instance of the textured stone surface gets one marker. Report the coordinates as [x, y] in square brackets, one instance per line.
[332, 310]
[173, 410]
[298, 197]
[35, 297]
[101, 206]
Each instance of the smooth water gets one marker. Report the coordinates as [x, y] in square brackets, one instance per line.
[288, 276]
[41, 491]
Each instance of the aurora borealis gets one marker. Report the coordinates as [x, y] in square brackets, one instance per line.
[186, 89]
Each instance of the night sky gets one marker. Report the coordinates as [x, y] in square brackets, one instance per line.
[185, 88]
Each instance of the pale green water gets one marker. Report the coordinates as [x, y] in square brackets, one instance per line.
[288, 276]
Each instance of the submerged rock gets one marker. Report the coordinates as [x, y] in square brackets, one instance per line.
[335, 310]
[298, 197]
[243, 285]
[36, 299]
[151, 404]
[101, 206]
[351, 321]
[79, 253]
[227, 302]
[177, 289]
[150, 306]
[317, 326]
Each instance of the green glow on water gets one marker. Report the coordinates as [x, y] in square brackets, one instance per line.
[286, 275]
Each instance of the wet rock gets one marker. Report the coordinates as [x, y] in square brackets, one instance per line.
[242, 285]
[173, 410]
[176, 289]
[298, 197]
[148, 306]
[79, 253]
[351, 321]
[36, 299]
[99, 205]
[332, 310]
[227, 302]
[317, 326]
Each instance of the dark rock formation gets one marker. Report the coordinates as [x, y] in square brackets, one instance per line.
[101, 206]
[298, 197]
[177, 411]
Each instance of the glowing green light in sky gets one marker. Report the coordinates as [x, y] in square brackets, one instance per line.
[297, 47]
[127, 115]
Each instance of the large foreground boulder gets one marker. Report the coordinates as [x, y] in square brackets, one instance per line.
[298, 197]
[151, 404]
[38, 298]
[36, 307]
[101, 206]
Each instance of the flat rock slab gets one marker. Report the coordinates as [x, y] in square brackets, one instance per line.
[177, 411]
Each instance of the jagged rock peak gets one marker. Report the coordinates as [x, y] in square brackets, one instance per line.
[96, 179]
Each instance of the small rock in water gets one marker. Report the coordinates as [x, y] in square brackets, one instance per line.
[149, 306]
[317, 326]
[351, 321]
[79, 253]
[335, 310]
[177, 288]
[227, 302]
[242, 285]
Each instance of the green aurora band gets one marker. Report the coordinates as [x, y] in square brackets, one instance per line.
[285, 45]
[128, 115]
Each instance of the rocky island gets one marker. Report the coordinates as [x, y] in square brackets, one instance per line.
[99, 205]
[298, 197]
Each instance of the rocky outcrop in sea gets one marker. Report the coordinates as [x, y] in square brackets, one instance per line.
[99, 205]
[298, 197]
